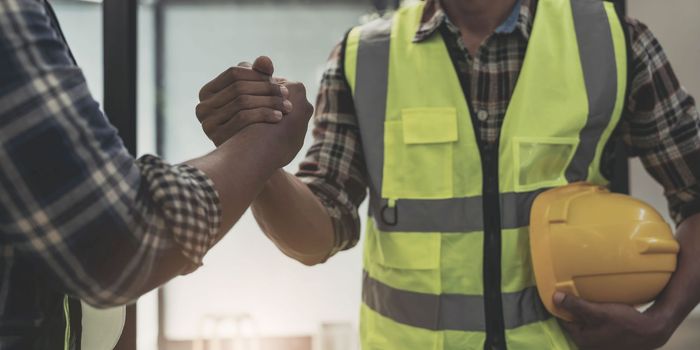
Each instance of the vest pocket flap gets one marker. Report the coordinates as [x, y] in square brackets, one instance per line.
[429, 125]
[410, 251]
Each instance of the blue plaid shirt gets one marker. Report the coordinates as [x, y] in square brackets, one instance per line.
[78, 214]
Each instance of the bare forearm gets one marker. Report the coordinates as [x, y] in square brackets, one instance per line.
[294, 219]
[239, 169]
[682, 294]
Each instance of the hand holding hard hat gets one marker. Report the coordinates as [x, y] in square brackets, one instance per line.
[599, 246]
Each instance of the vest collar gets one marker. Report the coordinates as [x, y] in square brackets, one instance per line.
[434, 16]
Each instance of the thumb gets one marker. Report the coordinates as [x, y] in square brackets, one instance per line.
[581, 310]
[263, 65]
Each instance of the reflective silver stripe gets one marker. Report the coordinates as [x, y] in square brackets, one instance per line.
[372, 83]
[455, 215]
[449, 311]
[597, 52]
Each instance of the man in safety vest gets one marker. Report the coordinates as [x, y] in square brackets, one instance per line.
[455, 115]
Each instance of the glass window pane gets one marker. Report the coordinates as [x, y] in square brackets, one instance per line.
[246, 276]
[81, 22]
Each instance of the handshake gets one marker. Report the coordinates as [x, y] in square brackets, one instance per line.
[247, 101]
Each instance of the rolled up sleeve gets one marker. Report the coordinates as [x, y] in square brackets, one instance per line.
[662, 124]
[101, 225]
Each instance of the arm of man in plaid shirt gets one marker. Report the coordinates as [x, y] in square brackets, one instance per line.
[97, 223]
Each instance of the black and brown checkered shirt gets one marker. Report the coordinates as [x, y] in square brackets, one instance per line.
[660, 124]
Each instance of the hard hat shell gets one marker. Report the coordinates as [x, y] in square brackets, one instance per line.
[600, 246]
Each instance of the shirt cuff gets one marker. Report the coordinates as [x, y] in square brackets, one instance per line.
[686, 210]
[188, 202]
[345, 220]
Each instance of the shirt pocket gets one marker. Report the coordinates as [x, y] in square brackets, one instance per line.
[418, 154]
[541, 162]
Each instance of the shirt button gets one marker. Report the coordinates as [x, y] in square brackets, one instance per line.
[482, 115]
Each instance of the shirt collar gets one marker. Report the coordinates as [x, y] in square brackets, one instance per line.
[434, 16]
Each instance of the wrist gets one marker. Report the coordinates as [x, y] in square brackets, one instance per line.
[665, 321]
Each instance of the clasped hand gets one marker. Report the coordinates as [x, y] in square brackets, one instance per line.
[249, 102]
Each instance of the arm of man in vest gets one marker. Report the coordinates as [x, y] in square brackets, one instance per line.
[78, 209]
[314, 215]
[662, 126]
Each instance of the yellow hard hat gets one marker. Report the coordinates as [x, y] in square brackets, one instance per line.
[600, 246]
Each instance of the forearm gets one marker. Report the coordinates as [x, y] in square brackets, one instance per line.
[294, 219]
[682, 294]
[239, 169]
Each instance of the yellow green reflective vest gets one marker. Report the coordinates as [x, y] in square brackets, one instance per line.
[447, 261]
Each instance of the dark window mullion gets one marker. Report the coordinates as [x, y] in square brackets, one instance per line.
[120, 82]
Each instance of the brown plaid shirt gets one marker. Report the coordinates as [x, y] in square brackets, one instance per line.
[660, 124]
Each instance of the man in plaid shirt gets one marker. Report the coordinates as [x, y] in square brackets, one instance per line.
[79, 216]
[487, 42]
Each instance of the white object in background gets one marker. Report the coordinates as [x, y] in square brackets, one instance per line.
[101, 328]
[239, 331]
[336, 336]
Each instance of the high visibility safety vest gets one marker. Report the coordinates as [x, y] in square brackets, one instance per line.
[447, 261]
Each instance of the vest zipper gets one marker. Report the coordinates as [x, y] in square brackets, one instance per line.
[493, 306]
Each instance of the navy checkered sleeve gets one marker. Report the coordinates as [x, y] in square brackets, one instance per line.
[74, 205]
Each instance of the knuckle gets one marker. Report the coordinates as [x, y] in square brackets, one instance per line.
[245, 116]
[201, 110]
[298, 87]
[309, 108]
[237, 88]
[209, 127]
[242, 101]
[294, 87]
[217, 139]
[235, 73]
[277, 102]
[231, 72]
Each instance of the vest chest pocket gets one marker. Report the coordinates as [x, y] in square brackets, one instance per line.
[418, 154]
[542, 162]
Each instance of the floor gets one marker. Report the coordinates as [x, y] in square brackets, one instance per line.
[687, 337]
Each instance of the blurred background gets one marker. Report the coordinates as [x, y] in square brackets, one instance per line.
[247, 289]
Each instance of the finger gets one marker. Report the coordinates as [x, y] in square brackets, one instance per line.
[245, 102]
[582, 310]
[227, 78]
[278, 80]
[240, 88]
[243, 120]
[302, 107]
[245, 64]
[263, 65]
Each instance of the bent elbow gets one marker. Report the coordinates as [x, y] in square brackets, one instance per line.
[311, 261]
